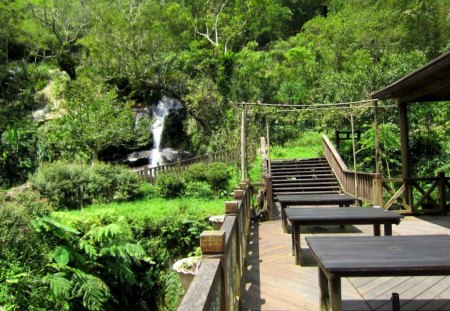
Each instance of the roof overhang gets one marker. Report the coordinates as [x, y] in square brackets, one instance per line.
[428, 83]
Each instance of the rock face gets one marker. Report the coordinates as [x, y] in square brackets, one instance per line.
[48, 99]
[138, 158]
[169, 155]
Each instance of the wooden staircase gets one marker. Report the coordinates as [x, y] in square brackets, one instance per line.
[304, 176]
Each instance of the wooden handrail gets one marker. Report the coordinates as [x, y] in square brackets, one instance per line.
[217, 284]
[367, 186]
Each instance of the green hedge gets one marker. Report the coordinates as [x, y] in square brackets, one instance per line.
[216, 174]
[73, 185]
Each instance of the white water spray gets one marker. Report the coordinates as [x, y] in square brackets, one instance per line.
[164, 107]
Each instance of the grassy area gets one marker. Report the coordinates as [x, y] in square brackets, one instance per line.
[147, 210]
[309, 145]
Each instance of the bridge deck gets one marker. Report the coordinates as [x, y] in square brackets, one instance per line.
[272, 281]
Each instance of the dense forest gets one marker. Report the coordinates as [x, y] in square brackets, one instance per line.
[73, 73]
[94, 61]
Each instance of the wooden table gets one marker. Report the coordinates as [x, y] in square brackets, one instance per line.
[375, 256]
[311, 199]
[338, 216]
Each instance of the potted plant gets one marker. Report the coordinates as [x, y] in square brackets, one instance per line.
[216, 221]
[187, 268]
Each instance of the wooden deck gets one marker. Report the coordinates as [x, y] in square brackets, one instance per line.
[272, 281]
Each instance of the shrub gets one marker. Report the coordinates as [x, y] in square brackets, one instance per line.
[196, 172]
[149, 191]
[216, 174]
[70, 185]
[198, 189]
[171, 185]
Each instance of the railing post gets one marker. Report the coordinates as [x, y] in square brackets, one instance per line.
[146, 174]
[442, 194]
[269, 195]
[212, 244]
[377, 191]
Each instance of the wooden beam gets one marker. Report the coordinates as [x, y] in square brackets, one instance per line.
[426, 90]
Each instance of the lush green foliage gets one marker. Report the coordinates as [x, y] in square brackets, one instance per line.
[117, 55]
[71, 185]
[171, 185]
[209, 54]
[216, 174]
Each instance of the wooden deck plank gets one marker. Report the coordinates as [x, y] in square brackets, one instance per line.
[272, 281]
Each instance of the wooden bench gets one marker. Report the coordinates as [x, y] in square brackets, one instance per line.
[338, 216]
[367, 256]
[286, 200]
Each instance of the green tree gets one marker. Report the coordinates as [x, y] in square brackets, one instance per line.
[66, 22]
[93, 119]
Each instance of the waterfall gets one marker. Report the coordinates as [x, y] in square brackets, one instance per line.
[160, 112]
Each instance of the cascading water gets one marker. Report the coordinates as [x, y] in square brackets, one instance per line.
[160, 112]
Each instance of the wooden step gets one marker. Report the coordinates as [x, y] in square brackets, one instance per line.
[305, 188]
[311, 160]
[300, 171]
[307, 192]
[307, 184]
[303, 176]
[308, 164]
[303, 180]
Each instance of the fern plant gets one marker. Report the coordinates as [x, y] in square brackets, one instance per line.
[92, 269]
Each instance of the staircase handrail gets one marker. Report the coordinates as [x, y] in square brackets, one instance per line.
[369, 185]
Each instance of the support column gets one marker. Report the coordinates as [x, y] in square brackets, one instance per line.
[404, 140]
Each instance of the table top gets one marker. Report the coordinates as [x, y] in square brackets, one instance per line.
[328, 198]
[333, 214]
[382, 255]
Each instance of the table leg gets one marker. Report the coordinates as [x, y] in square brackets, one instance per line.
[387, 229]
[283, 218]
[323, 286]
[376, 230]
[297, 244]
[293, 240]
[334, 290]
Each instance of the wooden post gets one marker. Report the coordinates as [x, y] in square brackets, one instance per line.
[376, 138]
[404, 140]
[244, 142]
[212, 242]
[269, 195]
[378, 190]
[336, 138]
[146, 174]
[442, 194]
[263, 155]
[354, 157]
[268, 146]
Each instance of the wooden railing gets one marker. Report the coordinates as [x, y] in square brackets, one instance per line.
[151, 173]
[364, 186]
[428, 194]
[217, 284]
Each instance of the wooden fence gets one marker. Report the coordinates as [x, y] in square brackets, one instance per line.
[151, 173]
[364, 186]
[217, 284]
[428, 194]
